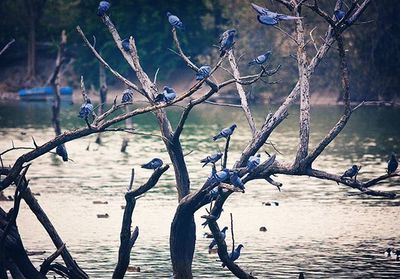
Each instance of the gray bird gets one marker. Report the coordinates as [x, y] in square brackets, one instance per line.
[213, 242]
[203, 72]
[261, 59]
[235, 254]
[103, 7]
[214, 193]
[211, 159]
[167, 96]
[227, 132]
[62, 152]
[125, 44]
[235, 180]
[127, 96]
[153, 164]
[253, 162]
[339, 13]
[86, 109]
[227, 40]
[267, 17]
[392, 164]
[175, 21]
[351, 172]
[221, 176]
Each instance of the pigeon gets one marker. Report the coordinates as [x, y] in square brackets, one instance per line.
[153, 164]
[253, 162]
[104, 6]
[213, 242]
[86, 109]
[235, 180]
[267, 17]
[125, 45]
[167, 96]
[227, 132]
[214, 193]
[127, 96]
[221, 176]
[261, 59]
[339, 13]
[226, 41]
[351, 172]
[235, 254]
[175, 21]
[392, 164]
[211, 159]
[62, 152]
[203, 72]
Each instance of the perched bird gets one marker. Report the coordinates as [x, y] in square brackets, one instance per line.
[227, 132]
[214, 193]
[203, 72]
[175, 21]
[392, 164]
[235, 180]
[213, 242]
[351, 172]
[153, 164]
[226, 41]
[235, 254]
[167, 96]
[86, 109]
[339, 13]
[211, 159]
[267, 17]
[127, 96]
[261, 59]
[125, 44]
[104, 6]
[253, 162]
[62, 152]
[221, 176]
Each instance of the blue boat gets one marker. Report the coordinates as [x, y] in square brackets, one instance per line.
[45, 93]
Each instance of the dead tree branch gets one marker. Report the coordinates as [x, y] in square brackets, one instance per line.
[7, 46]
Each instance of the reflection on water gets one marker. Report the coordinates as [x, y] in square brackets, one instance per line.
[319, 227]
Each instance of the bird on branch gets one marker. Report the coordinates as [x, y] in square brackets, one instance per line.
[227, 40]
[213, 242]
[211, 159]
[125, 44]
[339, 13]
[167, 96]
[86, 109]
[235, 180]
[175, 21]
[127, 96]
[253, 162]
[235, 254]
[267, 17]
[227, 132]
[351, 172]
[261, 59]
[203, 72]
[153, 164]
[62, 152]
[392, 164]
[104, 6]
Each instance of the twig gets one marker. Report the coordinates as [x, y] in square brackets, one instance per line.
[232, 234]
[7, 46]
[228, 139]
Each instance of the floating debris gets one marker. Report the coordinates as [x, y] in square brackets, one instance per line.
[103, 215]
[100, 202]
[263, 229]
[133, 268]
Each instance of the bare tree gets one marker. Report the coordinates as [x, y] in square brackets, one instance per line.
[182, 234]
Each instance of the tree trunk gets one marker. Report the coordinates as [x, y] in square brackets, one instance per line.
[31, 69]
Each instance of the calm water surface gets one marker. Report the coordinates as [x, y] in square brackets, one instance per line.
[319, 227]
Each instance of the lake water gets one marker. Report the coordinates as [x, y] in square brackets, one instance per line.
[321, 228]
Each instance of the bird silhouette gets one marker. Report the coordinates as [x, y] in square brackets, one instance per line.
[103, 7]
[211, 159]
[167, 96]
[125, 44]
[175, 21]
[267, 17]
[213, 242]
[351, 172]
[86, 109]
[203, 72]
[301, 275]
[392, 164]
[127, 96]
[339, 13]
[261, 59]
[235, 180]
[62, 152]
[235, 254]
[227, 132]
[227, 40]
[153, 164]
[253, 162]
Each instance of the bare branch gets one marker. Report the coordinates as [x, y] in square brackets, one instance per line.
[7, 46]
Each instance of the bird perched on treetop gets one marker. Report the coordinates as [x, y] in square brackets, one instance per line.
[392, 164]
[227, 40]
[203, 72]
[261, 59]
[86, 109]
[175, 21]
[213, 242]
[125, 44]
[253, 162]
[227, 132]
[62, 152]
[267, 17]
[235, 254]
[103, 7]
[351, 172]
[211, 159]
[167, 96]
[153, 164]
[127, 96]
